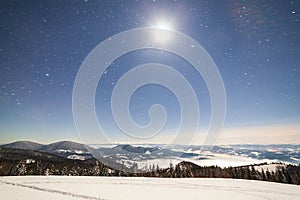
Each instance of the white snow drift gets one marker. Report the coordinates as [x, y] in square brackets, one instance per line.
[108, 188]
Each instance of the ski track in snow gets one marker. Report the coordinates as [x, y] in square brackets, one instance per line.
[108, 188]
[52, 191]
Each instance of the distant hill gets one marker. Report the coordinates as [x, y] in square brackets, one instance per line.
[28, 145]
[64, 145]
[15, 162]
[24, 154]
[67, 149]
[132, 149]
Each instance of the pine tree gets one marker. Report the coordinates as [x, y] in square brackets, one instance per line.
[263, 175]
[171, 169]
[157, 168]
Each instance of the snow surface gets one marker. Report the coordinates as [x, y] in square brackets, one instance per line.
[76, 157]
[111, 188]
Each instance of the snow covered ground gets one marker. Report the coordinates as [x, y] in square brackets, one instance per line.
[112, 188]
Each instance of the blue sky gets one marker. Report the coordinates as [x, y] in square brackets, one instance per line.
[255, 45]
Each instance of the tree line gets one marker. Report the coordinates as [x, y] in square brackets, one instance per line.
[286, 174]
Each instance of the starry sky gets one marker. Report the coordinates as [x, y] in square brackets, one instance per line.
[255, 45]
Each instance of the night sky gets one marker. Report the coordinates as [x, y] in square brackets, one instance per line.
[255, 45]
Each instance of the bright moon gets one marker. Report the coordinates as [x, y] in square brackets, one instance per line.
[163, 25]
[162, 34]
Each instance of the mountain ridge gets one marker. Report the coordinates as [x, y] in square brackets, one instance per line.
[26, 144]
[67, 149]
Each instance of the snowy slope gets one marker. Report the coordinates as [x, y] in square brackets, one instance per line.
[54, 187]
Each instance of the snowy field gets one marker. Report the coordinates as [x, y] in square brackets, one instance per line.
[114, 188]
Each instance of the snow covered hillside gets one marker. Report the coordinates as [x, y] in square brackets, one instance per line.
[108, 188]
